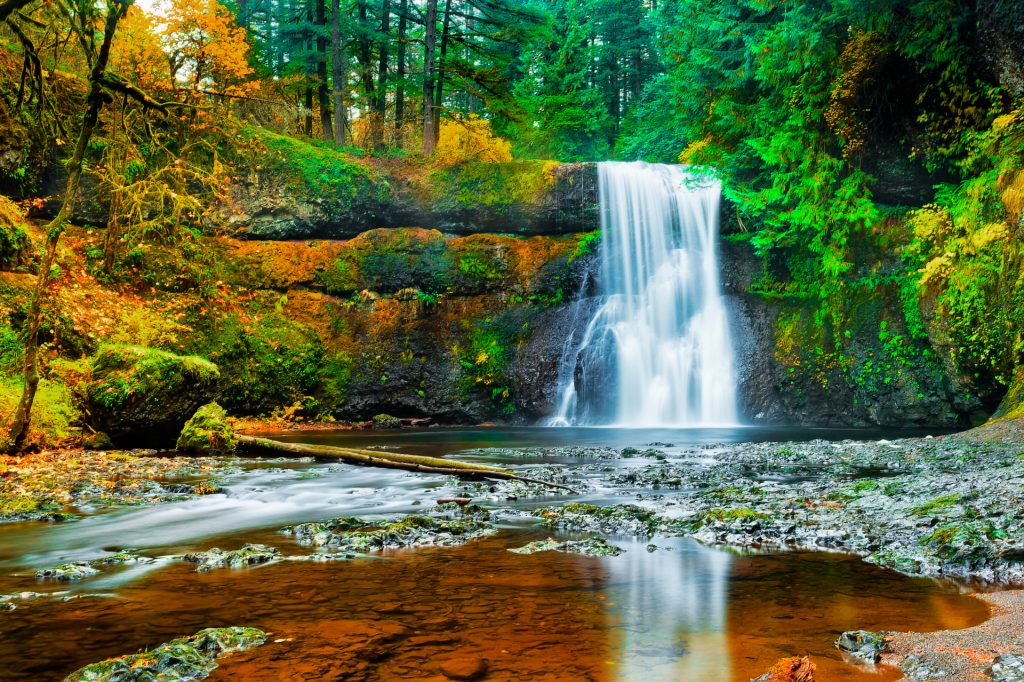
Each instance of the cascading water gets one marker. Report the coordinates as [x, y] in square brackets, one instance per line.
[657, 353]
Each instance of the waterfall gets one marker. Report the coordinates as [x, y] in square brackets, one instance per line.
[657, 352]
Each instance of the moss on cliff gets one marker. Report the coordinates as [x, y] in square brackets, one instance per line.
[497, 187]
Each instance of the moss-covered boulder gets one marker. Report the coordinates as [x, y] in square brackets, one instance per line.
[208, 432]
[144, 396]
[14, 242]
[186, 658]
[296, 189]
[386, 421]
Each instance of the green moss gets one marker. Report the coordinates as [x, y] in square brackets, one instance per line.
[265, 363]
[14, 242]
[496, 186]
[386, 421]
[187, 658]
[53, 413]
[735, 514]
[936, 505]
[12, 504]
[126, 374]
[587, 245]
[208, 431]
[320, 171]
[389, 260]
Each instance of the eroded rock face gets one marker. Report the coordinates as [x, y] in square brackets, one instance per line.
[1001, 31]
[789, 373]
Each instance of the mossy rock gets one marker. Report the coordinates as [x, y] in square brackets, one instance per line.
[1012, 405]
[208, 432]
[144, 396]
[15, 247]
[386, 421]
[187, 658]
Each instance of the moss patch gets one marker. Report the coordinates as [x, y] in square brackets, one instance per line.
[208, 431]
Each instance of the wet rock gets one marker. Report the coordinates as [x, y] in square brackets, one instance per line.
[248, 555]
[180, 660]
[916, 668]
[465, 668]
[589, 547]
[68, 572]
[862, 644]
[357, 535]
[1007, 668]
[795, 669]
[621, 519]
[98, 441]
[121, 558]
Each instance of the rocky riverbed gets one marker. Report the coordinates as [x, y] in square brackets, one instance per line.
[947, 507]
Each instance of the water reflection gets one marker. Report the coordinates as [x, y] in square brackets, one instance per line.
[670, 608]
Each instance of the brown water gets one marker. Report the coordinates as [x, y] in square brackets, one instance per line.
[681, 612]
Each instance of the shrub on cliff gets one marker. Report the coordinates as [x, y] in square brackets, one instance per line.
[142, 395]
[14, 243]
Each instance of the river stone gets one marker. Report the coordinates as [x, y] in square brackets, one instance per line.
[180, 660]
[465, 668]
[862, 644]
[1008, 668]
[589, 547]
[248, 555]
[353, 534]
[67, 572]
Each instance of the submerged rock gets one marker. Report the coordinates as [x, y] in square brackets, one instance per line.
[349, 533]
[862, 644]
[180, 660]
[68, 572]
[589, 547]
[795, 669]
[248, 555]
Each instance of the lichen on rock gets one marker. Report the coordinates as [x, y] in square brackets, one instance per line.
[248, 555]
[590, 547]
[349, 533]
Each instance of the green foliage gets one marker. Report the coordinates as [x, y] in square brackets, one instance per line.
[11, 350]
[587, 245]
[265, 363]
[128, 374]
[319, 170]
[54, 411]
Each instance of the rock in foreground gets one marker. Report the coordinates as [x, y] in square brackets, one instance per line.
[589, 547]
[180, 660]
[352, 534]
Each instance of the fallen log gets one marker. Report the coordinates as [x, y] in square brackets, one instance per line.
[391, 460]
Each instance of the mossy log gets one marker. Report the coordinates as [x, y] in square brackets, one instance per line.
[391, 460]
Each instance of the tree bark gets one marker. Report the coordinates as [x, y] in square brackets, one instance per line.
[95, 100]
[339, 75]
[429, 44]
[400, 70]
[439, 85]
[382, 75]
[391, 460]
[321, 70]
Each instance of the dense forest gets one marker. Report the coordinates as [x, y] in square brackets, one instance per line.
[868, 149]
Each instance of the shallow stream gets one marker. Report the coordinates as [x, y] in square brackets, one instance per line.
[666, 609]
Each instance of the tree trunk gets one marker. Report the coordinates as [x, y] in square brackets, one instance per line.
[390, 460]
[429, 43]
[321, 70]
[310, 67]
[339, 75]
[95, 100]
[382, 75]
[439, 94]
[400, 70]
[365, 57]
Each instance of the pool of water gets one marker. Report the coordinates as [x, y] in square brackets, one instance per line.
[666, 609]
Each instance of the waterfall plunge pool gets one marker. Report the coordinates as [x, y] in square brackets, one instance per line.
[678, 611]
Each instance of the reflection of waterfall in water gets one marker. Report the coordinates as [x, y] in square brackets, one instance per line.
[657, 352]
[671, 612]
